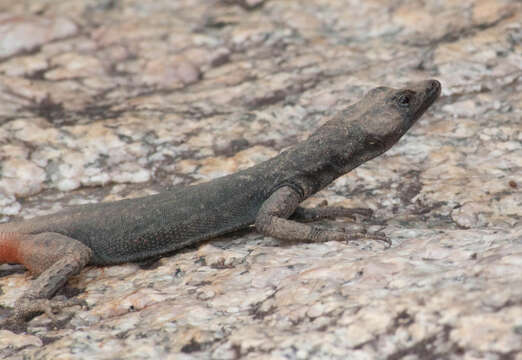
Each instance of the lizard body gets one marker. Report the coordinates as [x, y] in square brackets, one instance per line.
[57, 246]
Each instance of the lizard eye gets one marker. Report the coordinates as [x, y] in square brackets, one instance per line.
[373, 141]
[404, 100]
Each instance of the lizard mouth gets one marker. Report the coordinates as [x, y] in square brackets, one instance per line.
[432, 92]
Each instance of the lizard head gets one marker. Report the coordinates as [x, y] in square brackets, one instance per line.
[389, 113]
[369, 127]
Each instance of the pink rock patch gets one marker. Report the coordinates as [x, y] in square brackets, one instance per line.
[18, 34]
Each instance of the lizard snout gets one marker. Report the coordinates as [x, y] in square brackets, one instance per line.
[433, 86]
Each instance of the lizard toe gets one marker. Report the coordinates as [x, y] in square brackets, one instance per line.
[27, 308]
[380, 236]
[363, 234]
[13, 324]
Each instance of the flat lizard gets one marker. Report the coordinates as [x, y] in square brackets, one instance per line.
[55, 247]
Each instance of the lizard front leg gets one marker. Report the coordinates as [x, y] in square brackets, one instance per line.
[54, 258]
[272, 220]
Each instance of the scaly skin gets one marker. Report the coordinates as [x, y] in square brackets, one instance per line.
[55, 247]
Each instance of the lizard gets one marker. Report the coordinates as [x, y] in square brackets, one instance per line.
[267, 195]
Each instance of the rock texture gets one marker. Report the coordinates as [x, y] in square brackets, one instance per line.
[103, 99]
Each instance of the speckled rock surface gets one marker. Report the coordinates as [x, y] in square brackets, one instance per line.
[102, 99]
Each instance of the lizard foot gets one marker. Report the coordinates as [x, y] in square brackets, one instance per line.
[27, 308]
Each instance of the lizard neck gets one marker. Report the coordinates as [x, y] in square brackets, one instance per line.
[327, 154]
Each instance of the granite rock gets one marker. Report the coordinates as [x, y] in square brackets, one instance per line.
[102, 100]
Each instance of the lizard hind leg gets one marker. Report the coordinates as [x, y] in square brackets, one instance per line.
[53, 257]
